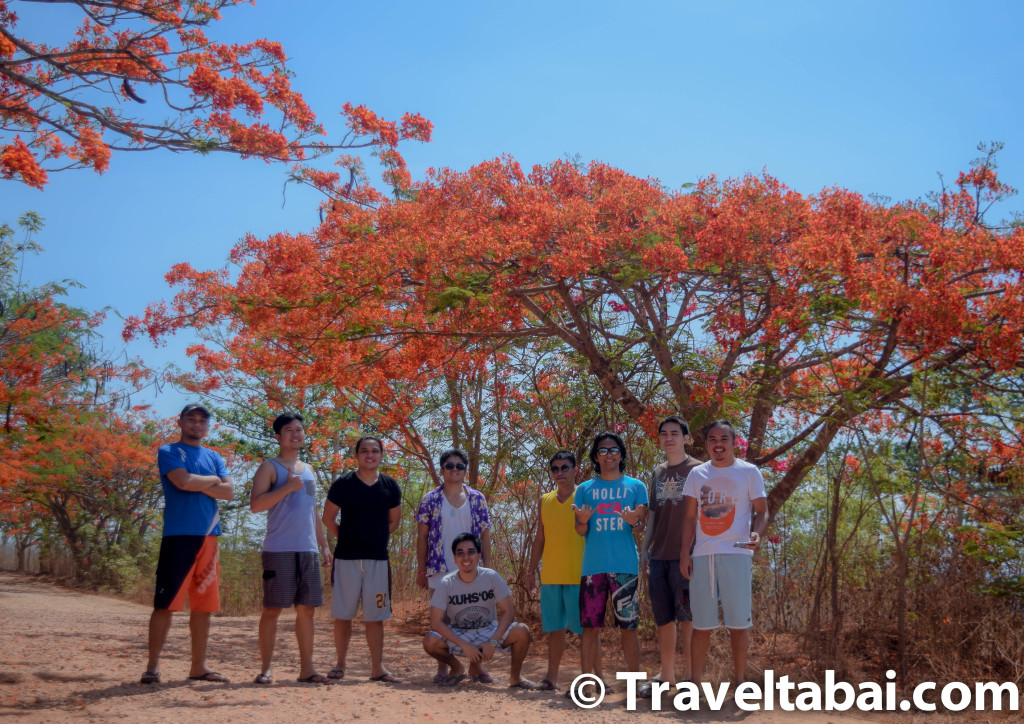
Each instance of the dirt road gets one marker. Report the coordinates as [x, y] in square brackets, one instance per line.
[66, 655]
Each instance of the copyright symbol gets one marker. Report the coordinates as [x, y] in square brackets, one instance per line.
[577, 691]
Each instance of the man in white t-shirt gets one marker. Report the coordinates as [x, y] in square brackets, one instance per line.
[727, 511]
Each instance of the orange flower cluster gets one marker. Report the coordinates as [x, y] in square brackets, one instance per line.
[91, 92]
[800, 315]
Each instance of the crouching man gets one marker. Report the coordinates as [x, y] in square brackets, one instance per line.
[471, 615]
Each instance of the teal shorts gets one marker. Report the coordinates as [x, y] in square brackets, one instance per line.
[723, 578]
[560, 607]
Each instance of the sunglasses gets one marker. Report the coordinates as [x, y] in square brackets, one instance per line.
[455, 466]
[608, 451]
[560, 468]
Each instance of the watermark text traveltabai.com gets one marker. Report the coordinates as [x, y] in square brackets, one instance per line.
[587, 691]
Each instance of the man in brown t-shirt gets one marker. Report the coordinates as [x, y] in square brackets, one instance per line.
[669, 590]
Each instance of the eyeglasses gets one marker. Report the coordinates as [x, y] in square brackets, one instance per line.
[605, 451]
[470, 552]
[455, 466]
[560, 468]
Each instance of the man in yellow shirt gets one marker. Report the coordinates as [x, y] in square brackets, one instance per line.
[561, 550]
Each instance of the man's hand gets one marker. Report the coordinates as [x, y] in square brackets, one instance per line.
[686, 566]
[421, 579]
[472, 653]
[630, 515]
[583, 513]
[487, 651]
[293, 483]
[326, 557]
[531, 581]
[755, 541]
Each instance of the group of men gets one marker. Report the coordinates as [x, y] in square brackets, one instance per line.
[705, 521]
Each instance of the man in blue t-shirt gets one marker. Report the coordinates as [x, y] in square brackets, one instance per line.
[608, 509]
[193, 479]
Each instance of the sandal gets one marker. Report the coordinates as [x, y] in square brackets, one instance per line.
[313, 679]
[546, 685]
[450, 681]
[483, 678]
[264, 679]
[336, 673]
[150, 677]
[211, 676]
[386, 678]
[524, 684]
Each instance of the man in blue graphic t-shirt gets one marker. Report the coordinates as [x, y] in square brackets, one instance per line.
[608, 509]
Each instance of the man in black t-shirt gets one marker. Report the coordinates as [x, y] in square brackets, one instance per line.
[370, 504]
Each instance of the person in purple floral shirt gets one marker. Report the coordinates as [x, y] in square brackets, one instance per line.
[450, 509]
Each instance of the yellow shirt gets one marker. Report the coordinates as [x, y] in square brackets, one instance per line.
[563, 548]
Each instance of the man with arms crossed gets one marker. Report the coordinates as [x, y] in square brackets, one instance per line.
[292, 547]
[670, 591]
[370, 504]
[562, 553]
[727, 510]
[471, 614]
[608, 508]
[193, 479]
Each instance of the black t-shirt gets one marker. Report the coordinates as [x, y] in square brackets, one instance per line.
[363, 527]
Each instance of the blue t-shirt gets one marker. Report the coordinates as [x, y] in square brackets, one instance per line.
[187, 512]
[610, 547]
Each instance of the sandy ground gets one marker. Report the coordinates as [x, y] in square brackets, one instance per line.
[68, 655]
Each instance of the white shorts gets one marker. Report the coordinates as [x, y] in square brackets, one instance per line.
[721, 578]
[365, 581]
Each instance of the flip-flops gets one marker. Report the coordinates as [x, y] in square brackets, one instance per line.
[211, 676]
[336, 673]
[483, 678]
[386, 678]
[150, 677]
[546, 685]
[524, 684]
[313, 679]
[263, 679]
[450, 681]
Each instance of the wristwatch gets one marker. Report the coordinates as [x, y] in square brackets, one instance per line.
[493, 642]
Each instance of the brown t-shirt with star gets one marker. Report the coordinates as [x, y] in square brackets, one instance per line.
[666, 537]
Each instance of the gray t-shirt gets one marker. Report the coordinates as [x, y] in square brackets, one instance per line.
[669, 509]
[470, 605]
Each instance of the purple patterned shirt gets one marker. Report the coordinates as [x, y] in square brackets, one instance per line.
[430, 513]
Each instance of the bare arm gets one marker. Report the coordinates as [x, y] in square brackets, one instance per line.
[394, 518]
[689, 531]
[485, 542]
[182, 479]
[321, 540]
[535, 554]
[224, 490]
[330, 518]
[262, 497]
[759, 522]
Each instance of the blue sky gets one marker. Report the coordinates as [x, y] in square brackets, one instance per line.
[873, 96]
